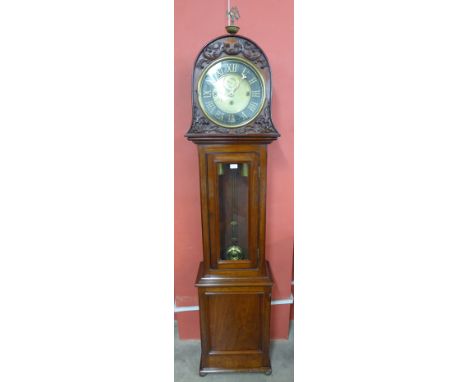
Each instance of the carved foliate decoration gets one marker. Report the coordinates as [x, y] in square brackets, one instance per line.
[210, 53]
[261, 125]
[242, 47]
[232, 46]
[254, 54]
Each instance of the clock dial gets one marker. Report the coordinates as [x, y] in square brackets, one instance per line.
[231, 92]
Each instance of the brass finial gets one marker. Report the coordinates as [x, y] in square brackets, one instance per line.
[233, 15]
[232, 29]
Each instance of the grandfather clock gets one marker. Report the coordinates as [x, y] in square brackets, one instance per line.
[232, 126]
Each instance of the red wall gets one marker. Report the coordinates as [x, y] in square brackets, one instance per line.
[270, 24]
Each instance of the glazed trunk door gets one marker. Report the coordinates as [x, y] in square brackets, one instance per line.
[233, 209]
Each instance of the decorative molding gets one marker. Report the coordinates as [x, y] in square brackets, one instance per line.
[253, 53]
[200, 124]
[210, 53]
[260, 125]
[263, 123]
[231, 46]
[180, 309]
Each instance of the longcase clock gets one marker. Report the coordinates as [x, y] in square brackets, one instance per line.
[232, 126]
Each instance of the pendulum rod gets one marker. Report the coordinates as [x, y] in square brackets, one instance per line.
[234, 251]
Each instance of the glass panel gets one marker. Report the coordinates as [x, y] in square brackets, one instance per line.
[233, 181]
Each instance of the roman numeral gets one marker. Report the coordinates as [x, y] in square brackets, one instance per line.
[206, 93]
[231, 118]
[219, 114]
[244, 116]
[231, 67]
[252, 80]
[252, 107]
[256, 93]
[210, 105]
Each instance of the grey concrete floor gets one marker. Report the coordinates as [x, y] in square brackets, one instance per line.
[187, 362]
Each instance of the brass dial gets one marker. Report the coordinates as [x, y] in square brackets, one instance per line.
[231, 92]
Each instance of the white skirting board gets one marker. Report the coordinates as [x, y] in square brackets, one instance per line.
[179, 309]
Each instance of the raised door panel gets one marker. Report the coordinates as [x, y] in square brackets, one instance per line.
[235, 327]
[235, 322]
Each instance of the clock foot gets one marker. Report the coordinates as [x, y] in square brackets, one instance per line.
[268, 372]
[202, 374]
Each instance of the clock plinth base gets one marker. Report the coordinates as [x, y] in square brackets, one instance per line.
[234, 323]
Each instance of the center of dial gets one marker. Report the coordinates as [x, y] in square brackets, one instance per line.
[231, 93]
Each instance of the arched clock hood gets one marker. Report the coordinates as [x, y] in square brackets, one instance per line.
[261, 129]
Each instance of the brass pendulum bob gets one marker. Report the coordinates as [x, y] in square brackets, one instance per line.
[234, 252]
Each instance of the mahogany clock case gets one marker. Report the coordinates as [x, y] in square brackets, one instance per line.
[234, 295]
